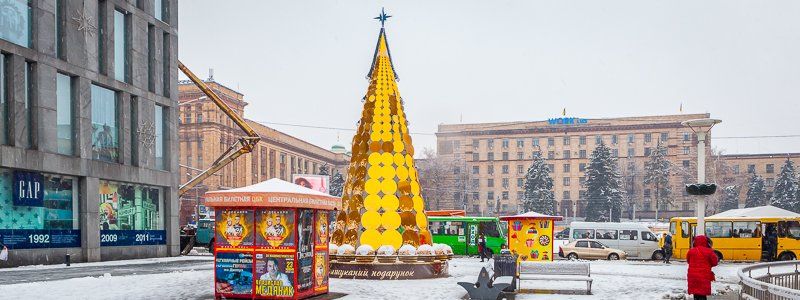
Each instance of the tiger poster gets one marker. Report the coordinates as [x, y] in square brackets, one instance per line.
[234, 228]
[275, 228]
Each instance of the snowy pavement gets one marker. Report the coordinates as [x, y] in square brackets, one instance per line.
[191, 278]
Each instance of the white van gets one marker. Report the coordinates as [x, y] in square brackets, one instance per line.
[634, 238]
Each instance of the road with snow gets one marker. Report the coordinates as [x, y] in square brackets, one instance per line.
[192, 277]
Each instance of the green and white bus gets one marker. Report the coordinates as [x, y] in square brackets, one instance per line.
[461, 233]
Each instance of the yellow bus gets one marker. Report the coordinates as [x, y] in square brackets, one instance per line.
[740, 238]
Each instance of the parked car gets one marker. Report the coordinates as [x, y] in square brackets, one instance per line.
[589, 249]
[634, 238]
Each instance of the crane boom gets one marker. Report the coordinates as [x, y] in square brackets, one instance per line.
[246, 143]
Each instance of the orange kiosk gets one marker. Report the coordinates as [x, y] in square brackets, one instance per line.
[530, 236]
[271, 241]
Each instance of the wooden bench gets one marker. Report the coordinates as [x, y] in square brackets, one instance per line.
[555, 271]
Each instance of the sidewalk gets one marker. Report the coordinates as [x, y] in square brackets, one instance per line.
[114, 268]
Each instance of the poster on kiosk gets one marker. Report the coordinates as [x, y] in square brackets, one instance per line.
[271, 241]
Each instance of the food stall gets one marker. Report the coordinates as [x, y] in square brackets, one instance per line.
[530, 236]
[271, 241]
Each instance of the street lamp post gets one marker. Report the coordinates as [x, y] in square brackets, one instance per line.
[701, 127]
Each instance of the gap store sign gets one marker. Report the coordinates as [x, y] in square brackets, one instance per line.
[28, 189]
[567, 121]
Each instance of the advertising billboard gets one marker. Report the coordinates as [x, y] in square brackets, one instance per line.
[315, 182]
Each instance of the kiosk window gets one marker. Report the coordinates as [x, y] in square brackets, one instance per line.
[583, 233]
[606, 234]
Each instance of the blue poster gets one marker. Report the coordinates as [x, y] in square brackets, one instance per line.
[132, 237]
[234, 273]
[40, 238]
[28, 189]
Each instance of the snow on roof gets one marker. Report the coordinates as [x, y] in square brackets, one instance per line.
[273, 185]
[767, 211]
[532, 215]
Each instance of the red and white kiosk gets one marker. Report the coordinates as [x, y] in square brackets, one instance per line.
[271, 241]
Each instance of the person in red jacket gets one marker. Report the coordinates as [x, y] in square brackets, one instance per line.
[700, 259]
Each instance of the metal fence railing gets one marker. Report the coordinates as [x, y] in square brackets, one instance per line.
[770, 281]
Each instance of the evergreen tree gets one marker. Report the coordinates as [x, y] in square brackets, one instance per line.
[756, 192]
[539, 195]
[603, 186]
[323, 170]
[656, 174]
[730, 198]
[337, 184]
[784, 195]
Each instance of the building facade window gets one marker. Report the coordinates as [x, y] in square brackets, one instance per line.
[770, 182]
[551, 155]
[566, 168]
[64, 116]
[520, 155]
[582, 140]
[631, 152]
[598, 139]
[770, 168]
[686, 163]
[520, 143]
[49, 215]
[505, 169]
[647, 151]
[520, 169]
[505, 183]
[505, 197]
[120, 46]
[105, 132]
[664, 137]
[476, 156]
[751, 169]
[582, 154]
[476, 169]
[159, 9]
[631, 138]
[582, 167]
[565, 195]
[130, 207]
[490, 195]
[685, 150]
[490, 169]
[505, 155]
[614, 139]
[505, 143]
[490, 144]
[16, 24]
[490, 156]
[551, 141]
[566, 154]
[566, 181]
[520, 182]
[160, 143]
[648, 137]
[535, 141]
[566, 140]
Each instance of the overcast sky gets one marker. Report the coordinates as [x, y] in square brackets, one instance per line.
[304, 62]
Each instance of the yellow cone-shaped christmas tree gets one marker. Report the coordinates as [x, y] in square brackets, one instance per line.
[382, 203]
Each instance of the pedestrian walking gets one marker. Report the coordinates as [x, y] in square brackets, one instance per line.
[482, 247]
[667, 248]
[701, 258]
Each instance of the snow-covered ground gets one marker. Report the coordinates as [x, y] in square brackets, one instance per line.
[612, 280]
